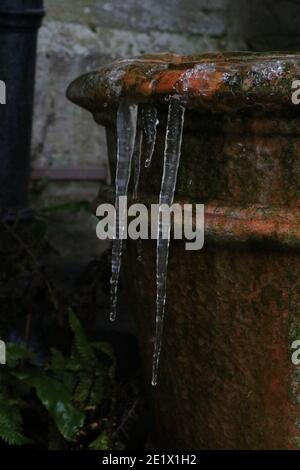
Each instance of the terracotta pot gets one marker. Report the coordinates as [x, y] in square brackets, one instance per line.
[226, 378]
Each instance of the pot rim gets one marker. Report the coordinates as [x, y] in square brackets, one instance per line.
[216, 82]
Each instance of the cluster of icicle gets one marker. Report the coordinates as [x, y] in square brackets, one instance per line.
[129, 149]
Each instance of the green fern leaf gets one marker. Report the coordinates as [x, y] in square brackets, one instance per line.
[11, 427]
[83, 389]
[57, 400]
[83, 347]
[101, 443]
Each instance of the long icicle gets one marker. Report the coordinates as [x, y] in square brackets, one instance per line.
[137, 156]
[137, 159]
[150, 123]
[171, 163]
[126, 132]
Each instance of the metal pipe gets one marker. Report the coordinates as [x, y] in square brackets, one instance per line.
[19, 24]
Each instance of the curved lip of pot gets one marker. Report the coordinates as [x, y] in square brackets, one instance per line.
[219, 82]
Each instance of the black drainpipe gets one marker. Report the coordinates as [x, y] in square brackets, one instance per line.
[19, 24]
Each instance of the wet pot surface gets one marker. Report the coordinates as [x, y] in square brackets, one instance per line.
[226, 379]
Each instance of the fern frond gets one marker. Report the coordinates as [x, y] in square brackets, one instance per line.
[11, 427]
[83, 389]
[57, 400]
[101, 443]
[83, 347]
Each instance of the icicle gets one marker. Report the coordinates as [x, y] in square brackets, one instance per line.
[150, 122]
[126, 131]
[137, 158]
[140, 250]
[137, 155]
[171, 163]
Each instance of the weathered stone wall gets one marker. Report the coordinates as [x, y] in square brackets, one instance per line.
[79, 35]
